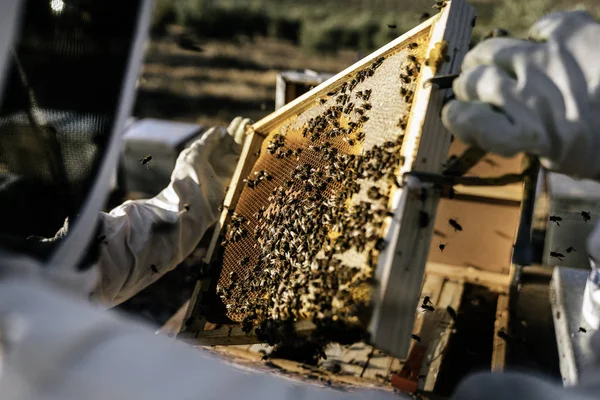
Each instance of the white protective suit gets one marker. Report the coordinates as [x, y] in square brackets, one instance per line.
[131, 242]
[541, 97]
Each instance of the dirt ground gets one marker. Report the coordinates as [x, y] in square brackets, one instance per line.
[223, 81]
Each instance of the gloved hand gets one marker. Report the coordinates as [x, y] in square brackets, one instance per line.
[541, 97]
[144, 239]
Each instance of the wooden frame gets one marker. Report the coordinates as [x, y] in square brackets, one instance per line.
[401, 264]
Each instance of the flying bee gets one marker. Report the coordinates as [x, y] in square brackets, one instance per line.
[416, 337]
[556, 254]
[186, 207]
[570, 249]
[555, 218]
[392, 26]
[582, 329]
[454, 224]
[586, 216]
[442, 246]
[427, 300]
[154, 268]
[146, 161]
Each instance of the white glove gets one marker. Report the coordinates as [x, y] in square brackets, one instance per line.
[56, 348]
[144, 239]
[538, 97]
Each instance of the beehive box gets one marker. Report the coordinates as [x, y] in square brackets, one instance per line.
[317, 232]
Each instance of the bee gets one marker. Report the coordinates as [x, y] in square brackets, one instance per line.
[322, 101]
[412, 58]
[427, 307]
[367, 106]
[380, 244]
[586, 216]
[452, 313]
[416, 337]
[442, 246]
[348, 108]
[410, 71]
[454, 224]
[146, 161]
[343, 88]
[423, 219]
[332, 93]
[412, 46]
[367, 94]
[582, 329]
[154, 268]
[427, 300]
[556, 254]
[244, 261]
[360, 136]
[556, 219]
[424, 17]
[351, 142]
[102, 239]
[570, 249]
[404, 78]
[363, 119]
[186, 207]
[439, 4]
[392, 26]
[359, 111]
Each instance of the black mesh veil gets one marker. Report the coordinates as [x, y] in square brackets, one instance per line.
[65, 77]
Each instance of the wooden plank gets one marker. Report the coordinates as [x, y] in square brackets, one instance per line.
[486, 239]
[249, 155]
[432, 287]
[401, 267]
[174, 324]
[451, 296]
[501, 324]
[494, 281]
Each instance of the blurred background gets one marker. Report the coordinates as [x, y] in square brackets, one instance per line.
[209, 61]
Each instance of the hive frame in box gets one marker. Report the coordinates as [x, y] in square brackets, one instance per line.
[401, 264]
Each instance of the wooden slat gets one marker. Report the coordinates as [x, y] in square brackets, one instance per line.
[401, 267]
[451, 296]
[501, 324]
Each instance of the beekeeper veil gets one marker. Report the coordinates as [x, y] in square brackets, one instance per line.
[68, 70]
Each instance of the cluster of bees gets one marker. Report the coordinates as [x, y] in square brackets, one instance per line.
[557, 220]
[313, 220]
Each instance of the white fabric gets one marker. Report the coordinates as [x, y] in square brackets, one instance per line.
[541, 97]
[136, 237]
[57, 348]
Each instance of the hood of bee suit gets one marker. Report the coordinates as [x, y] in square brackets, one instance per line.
[68, 72]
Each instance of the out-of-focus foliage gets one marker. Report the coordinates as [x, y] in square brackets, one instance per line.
[331, 25]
